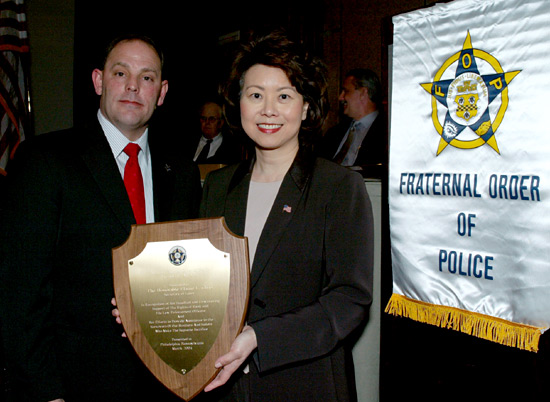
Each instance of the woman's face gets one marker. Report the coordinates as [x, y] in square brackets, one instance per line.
[272, 110]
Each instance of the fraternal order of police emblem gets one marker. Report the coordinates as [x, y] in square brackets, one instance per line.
[177, 255]
[472, 109]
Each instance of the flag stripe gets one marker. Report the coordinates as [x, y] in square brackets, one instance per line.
[13, 88]
[13, 26]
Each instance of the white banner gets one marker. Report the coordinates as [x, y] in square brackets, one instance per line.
[470, 168]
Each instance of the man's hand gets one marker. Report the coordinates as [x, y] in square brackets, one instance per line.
[241, 348]
[116, 314]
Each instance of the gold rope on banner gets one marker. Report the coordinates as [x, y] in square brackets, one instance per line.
[494, 329]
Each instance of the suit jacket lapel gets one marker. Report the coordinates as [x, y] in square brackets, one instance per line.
[98, 157]
[237, 198]
[286, 204]
[163, 185]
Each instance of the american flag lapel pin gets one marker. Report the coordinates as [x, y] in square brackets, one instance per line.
[287, 208]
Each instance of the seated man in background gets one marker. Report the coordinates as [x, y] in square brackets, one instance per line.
[213, 145]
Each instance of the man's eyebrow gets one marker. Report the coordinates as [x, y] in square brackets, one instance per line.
[126, 65]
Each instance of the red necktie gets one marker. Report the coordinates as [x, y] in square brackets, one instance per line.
[134, 182]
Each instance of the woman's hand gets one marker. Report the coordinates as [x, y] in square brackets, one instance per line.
[241, 348]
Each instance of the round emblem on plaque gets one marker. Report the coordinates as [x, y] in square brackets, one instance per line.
[177, 255]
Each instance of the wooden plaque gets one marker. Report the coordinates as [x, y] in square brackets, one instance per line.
[182, 291]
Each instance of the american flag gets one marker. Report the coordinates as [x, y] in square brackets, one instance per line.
[14, 51]
[287, 208]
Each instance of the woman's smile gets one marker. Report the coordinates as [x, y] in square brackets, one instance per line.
[269, 128]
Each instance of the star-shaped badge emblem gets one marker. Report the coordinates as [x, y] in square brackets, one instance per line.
[473, 109]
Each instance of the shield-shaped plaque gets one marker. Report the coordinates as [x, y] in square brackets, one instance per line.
[182, 291]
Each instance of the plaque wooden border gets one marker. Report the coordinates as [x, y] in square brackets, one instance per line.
[188, 385]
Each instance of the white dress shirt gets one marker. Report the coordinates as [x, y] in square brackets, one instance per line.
[214, 145]
[118, 142]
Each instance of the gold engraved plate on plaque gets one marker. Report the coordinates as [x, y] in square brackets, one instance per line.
[180, 291]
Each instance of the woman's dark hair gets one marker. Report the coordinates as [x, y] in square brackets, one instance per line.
[305, 72]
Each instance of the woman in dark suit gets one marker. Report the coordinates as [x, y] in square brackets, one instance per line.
[309, 226]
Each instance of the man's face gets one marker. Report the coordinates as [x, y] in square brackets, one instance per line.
[351, 99]
[211, 120]
[130, 87]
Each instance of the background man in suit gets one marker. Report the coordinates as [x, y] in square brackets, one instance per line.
[214, 146]
[362, 141]
[67, 208]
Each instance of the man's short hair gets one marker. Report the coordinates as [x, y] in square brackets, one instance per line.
[366, 78]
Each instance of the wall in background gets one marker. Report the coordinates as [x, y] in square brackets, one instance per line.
[51, 35]
[67, 39]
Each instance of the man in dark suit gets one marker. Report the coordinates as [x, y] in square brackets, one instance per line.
[361, 140]
[214, 145]
[67, 207]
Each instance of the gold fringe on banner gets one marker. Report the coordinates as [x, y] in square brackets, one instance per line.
[482, 326]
